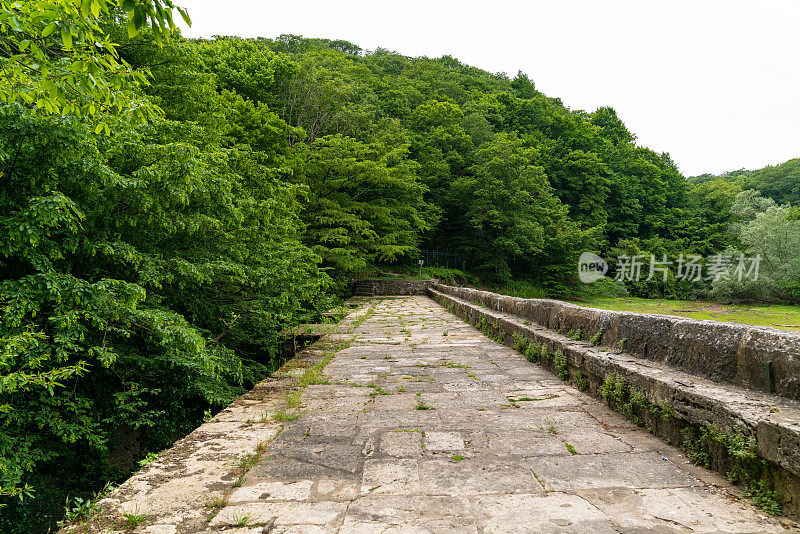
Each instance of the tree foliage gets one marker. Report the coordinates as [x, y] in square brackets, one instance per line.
[514, 223]
[771, 233]
[780, 182]
[146, 276]
[55, 56]
[365, 200]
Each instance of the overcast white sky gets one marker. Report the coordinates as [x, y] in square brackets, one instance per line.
[714, 83]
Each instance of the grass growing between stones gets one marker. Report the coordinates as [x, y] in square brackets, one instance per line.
[550, 428]
[532, 399]
[218, 502]
[597, 338]
[284, 415]
[215, 504]
[312, 375]
[422, 406]
[575, 335]
[241, 519]
[377, 390]
[133, 520]
[247, 461]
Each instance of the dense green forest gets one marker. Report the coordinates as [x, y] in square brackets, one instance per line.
[781, 182]
[168, 206]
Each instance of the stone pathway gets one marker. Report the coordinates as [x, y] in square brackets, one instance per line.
[426, 425]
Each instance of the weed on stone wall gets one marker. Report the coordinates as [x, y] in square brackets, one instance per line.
[597, 338]
[481, 324]
[708, 445]
[491, 330]
[519, 342]
[575, 335]
[560, 361]
[634, 404]
[533, 351]
[580, 381]
[734, 454]
[544, 354]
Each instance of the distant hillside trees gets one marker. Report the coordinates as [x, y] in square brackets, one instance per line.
[780, 182]
[771, 233]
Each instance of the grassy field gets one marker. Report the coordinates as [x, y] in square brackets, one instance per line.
[782, 317]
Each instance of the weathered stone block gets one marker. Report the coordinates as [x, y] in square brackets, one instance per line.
[782, 349]
[391, 287]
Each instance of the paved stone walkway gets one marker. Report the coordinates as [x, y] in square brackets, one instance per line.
[417, 431]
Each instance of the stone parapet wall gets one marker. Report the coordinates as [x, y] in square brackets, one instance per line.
[389, 287]
[759, 358]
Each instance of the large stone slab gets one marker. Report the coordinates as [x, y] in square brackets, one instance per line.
[544, 513]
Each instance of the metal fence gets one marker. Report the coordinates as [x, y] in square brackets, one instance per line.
[444, 258]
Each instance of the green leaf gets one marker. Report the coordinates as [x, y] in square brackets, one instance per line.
[156, 33]
[185, 15]
[132, 30]
[49, 29]
[139, 17]
[66, 38]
